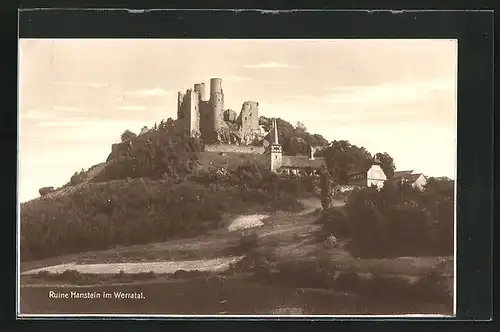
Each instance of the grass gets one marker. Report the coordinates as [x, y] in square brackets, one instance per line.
[214, 295]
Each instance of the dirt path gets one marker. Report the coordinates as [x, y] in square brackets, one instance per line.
[218, 264]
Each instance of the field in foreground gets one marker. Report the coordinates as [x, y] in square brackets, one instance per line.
[217, 296]
[291, 235]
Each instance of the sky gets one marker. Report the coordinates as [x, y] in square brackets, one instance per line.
[77, 96]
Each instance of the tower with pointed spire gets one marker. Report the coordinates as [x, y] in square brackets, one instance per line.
[275, 150]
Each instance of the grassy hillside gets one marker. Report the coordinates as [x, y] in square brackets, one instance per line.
[125, 212]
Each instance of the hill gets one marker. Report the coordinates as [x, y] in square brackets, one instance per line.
[146, 204]
[119, 201]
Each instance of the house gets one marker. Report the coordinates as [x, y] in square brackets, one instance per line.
[295, 165]
[367, 177]
[417, 180]
[302, 164]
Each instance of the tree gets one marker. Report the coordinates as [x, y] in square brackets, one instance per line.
[170, 123]
[300, 128]
[387, 164]
[128, 135]
[326, 187]
[441, 186]
[342, 157]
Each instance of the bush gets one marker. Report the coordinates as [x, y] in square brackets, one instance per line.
[248, 243]
[335, 221]
[396, 221]
[67, 275]
[182, 274]
[260, 262]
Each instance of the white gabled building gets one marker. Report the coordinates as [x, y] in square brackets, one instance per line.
[367, 177]
[417, 180]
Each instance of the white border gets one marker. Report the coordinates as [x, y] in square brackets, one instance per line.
[20, 316]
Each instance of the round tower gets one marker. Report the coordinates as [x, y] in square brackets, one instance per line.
[216, 103]
[215, 85]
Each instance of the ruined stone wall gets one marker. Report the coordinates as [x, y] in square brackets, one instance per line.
[194, 112]
[206, 121]
[188, 111]
[200, 88]
[249, 119]
[180, 105]
[234, 148]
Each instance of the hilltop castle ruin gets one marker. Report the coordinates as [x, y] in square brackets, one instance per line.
[205, 116]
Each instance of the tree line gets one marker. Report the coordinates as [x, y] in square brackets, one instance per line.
[397, 220]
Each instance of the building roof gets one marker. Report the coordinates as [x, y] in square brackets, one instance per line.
[303, 162]
[414, 177]
[400, 174]
[408, 176]
[229, 159]
[272, 136]
[358, 170]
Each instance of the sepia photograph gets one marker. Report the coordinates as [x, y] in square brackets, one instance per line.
[237, 177]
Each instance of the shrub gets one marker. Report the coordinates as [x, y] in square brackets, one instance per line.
[396, 221]
[261, 262]
[248, 243]
[71, 275]
[181, 274]
[335, 221]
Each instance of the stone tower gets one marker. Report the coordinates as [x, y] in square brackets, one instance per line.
[275, 150]
[188, 111]
[249, 120]
[200, 88]
[216, 106]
